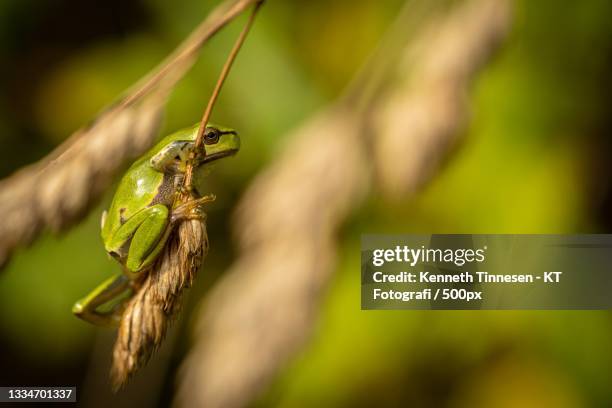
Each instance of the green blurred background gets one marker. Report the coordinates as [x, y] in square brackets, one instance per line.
[536, 160]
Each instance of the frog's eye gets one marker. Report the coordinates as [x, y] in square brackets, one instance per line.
[211, 137]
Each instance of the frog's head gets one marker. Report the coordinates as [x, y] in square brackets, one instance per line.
[219, 142]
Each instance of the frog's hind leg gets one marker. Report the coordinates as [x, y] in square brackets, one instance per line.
[151, 233]
[160, 224]
[110, 289]
[152, 256]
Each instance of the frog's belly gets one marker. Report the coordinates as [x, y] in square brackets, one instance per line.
[167, 190]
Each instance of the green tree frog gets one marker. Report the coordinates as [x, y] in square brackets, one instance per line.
[142, 213]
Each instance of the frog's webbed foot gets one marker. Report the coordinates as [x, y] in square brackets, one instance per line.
[192, 209]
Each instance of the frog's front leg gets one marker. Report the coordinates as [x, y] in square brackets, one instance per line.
[86, 308]
[144, 234]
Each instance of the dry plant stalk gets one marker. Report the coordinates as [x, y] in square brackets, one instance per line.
[187, 183]
[81, 168]
[262, 311]
[428, 108]
[157, 299]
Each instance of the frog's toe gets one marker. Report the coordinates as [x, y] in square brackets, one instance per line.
[133, 265]
[78, 309]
